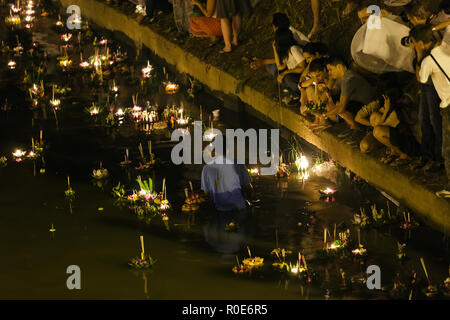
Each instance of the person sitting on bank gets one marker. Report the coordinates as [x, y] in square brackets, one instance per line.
[288, 62]
[318, 96]
[312, 51]
[207, 26]
[355, 91]
[390, 128]
[280, 21]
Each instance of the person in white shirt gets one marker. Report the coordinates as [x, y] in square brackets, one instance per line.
[435, 68]
[288, 62]
[434, 93]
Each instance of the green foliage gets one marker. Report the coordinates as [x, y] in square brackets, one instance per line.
[118, 191]
[145, 185]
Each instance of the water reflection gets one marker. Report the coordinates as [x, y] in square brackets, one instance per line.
[222, 241]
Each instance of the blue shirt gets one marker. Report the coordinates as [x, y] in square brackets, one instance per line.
[224, 183]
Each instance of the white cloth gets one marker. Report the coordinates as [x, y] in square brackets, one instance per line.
[294, 58]
[430, 68]
[299, 37]
[380, 50]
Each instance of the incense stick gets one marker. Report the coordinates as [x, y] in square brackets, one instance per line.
[142, 247]
[276, 238]
[141, 152]
[192, 188]
[425, 270]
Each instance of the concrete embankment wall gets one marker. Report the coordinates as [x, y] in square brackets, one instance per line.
[433, 211]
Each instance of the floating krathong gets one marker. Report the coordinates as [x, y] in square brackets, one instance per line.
[100, 174]
[146, 72]
[69, 193]
[93, 110]
[408, 223]
[253, 171]
[231, 227]
[85, 65]
[327, 191]
[16, 9]
[126, 161]
[282, 171]
[13, 20]
[253, 262]
[143, 261]
[66, 37]
[401, 248]
[18, 154]
[171, 88]
[361, 220]
[12, 64]
[55, 103]
[32, 155]
[241, 268]
[3, 162]
[361, 251]
[182, 121]
[192, 202]
[65, 62]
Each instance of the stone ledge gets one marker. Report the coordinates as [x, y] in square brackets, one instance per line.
[434, 211]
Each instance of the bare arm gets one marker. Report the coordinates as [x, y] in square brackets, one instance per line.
[361, 120]
[340, 106]
[207, 11]
[279, 63]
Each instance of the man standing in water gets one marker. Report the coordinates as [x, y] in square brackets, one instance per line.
[225, 182]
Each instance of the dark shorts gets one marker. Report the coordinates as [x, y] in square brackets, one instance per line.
[404, 140]
[230, 8]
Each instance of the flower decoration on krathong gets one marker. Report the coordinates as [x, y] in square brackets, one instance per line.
[147, 71]
[64, 61]
[140, 263]
[69, 193]
[100, 173]
[29, 18]
[3, 162]
[13, 20]
[361, 251]
[408, 223]
[94, 110]
[32, 155]
[66, 37]
[362, 219]
[253, 172]
[144, 260]
[18, 155]
[282, 171]
[327, 194]
[171, 88]
[11, 64]
[253, 262]
[55, 103]
[182, 121]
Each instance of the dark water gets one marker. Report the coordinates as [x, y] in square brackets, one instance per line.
[194, 253]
